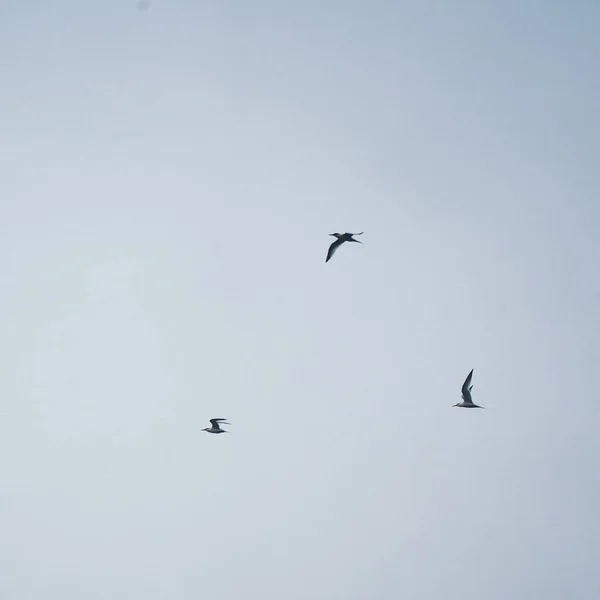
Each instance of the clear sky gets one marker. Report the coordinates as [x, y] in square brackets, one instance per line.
[169, 178]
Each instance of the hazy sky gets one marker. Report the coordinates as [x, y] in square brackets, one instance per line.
[169, 179]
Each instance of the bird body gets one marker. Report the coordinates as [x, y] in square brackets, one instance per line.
[341, 238]
[216, 426]
[466, 394]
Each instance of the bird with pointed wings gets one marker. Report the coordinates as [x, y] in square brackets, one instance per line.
[216, 426]
[341, 238]
[466, 393]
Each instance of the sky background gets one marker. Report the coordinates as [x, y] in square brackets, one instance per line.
[168, 182]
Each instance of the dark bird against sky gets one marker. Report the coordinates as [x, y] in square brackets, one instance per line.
[341, 238]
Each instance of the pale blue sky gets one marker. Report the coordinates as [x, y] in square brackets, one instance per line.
[169, 181]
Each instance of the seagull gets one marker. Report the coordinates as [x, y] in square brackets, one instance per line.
[466, 393]
[341, 238]
[216, 426]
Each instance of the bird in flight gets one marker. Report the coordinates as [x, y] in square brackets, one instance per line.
[466, 393]
[341, 238]
[216, 426]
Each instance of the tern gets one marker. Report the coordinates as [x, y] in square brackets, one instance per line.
[466, 393]
[341, 238]
[216, 426]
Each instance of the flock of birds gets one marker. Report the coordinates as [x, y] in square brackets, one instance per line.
[215, 424]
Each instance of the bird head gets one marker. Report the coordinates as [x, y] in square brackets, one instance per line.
[206, 429]
[457, 404]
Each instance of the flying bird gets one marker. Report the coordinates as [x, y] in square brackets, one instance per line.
[341, 238]
[466, 393]
[216, 426]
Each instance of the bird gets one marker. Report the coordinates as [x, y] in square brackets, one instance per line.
[216, 426]
[341, 238]
[466, 394]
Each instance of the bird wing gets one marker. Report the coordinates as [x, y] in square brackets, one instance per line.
[356, 233]
[467, 387]
[334, 246]
[216, 423]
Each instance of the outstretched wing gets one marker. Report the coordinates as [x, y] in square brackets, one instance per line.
[467, 387]
[334, 246]
[356, 233]
[216, 422]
